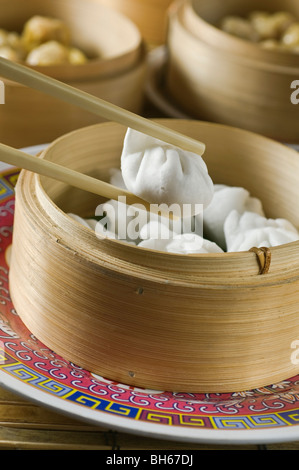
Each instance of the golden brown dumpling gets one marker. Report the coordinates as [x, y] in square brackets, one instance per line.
[273, 31]
[239, 27]
[271, 44]
[9, 53]
[291, 36]
[54, 53]
[40, 29]
[283, 20]
[12, 41]
[76, 56]
[271, 26]
[49, 53]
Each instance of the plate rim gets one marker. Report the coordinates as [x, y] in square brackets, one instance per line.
[151, 430]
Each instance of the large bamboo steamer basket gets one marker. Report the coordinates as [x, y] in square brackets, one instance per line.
[149, 15]
[115, 73]
[214, 76]
[196, 323]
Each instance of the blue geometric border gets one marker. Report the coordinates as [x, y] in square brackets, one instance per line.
[36, 379]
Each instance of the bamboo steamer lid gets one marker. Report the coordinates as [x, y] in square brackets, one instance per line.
[217, 77]
[115, 72]
[197, 323]
[149, 15]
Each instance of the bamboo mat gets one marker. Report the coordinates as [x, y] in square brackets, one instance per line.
[27, 426]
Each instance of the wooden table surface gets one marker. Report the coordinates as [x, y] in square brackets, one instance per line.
[27, 426]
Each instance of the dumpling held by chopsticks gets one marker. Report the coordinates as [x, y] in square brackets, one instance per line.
[160, 173]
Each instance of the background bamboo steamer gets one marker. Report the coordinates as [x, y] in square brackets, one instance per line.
[149, 15]
[214, 76]
[115, 73]
[203, 19]
[198, 323]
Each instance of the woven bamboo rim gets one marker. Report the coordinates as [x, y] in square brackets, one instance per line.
[205, 323]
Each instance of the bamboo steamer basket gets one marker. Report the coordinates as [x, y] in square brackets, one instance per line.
[149, 15]
[214, 76]
[197, 323]
[115, 72]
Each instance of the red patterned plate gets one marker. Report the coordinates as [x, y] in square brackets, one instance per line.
[28, 367]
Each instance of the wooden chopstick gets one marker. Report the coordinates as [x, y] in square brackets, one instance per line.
[33, 79]
[58, 172]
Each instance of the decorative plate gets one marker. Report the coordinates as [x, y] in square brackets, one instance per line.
[29, 368]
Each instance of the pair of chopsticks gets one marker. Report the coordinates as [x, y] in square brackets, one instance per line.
[29, 77]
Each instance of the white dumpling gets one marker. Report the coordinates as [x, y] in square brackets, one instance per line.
[119, 218]
[156, 230]
[89, 223]
[110, 226]
[178, 226]
[97, 226]
[248, 230]
[116, 178]
[163, 174]
[156, 244]
[120, 221]
[114, 215]
[170, 242]
[189, 243]
[225, 199]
